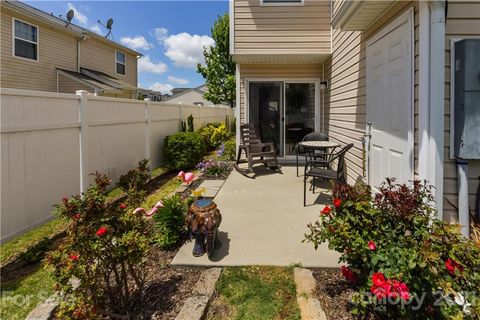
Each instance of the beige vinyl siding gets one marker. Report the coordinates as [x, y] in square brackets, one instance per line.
[99, 56]
[68, 85]
[55, 49]
[282, 29]
[463, 20]
[345, 100]
[336, 4]
[279, 72]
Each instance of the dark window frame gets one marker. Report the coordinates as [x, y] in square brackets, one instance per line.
[21, 40]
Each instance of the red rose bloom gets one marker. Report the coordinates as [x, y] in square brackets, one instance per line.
[451, 265]
[76, 216]
[372, 246]
[378, 279]
[73, 257]
[349, 275]
[101, 231]
[123, 206]
[326, 210]
[337, 202]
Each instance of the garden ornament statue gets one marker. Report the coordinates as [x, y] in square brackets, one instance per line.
[151, 212]
[203, 219]
[186, 178]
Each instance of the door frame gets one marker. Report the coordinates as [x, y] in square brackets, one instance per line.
[406, 17]
[315, 81]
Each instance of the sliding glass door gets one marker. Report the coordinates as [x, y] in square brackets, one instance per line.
[283, 111]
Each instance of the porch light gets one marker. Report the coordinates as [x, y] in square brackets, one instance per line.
[323, 85]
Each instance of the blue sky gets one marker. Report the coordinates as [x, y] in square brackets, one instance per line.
[170, 34]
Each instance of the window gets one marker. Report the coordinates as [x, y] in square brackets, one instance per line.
[120, 62]
[25, 40]
[282, 2]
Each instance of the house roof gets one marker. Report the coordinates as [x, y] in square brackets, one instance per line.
[57, 22]
[98, 80]
[199, 89]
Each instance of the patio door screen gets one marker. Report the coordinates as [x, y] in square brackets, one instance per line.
[284, 112]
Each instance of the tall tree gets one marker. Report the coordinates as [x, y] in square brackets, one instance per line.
[219, 71]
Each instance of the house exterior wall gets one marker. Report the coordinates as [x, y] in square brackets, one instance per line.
[55, 49]
[345, 101]
[99, 56]
[274, 71]
[277, 29]
[463, 21]
[190, 97]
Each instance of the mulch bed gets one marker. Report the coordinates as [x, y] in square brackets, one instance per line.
[166, 288]
[334, 293]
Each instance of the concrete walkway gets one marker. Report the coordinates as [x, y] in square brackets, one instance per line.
[264, 222]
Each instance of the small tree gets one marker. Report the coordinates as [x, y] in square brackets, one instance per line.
[219, 71]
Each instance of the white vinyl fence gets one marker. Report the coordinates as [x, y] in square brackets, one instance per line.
[51, 142]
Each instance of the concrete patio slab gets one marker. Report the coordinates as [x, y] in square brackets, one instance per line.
[211, 187]
[264, 222]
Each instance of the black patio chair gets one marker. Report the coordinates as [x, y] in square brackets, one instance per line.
[324, 168]
[313, 136]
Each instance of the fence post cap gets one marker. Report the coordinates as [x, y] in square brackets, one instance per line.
[80, 92]
[147, 99]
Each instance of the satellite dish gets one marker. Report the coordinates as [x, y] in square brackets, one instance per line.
[70, 15]
[108, 26]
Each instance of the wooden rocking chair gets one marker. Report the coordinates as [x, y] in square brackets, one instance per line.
[256, 150]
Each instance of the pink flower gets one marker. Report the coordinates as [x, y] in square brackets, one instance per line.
[372, 246]
[101, 231]
[326, 210]
[123, 206]
[64, 199]
[337, 202]
[76, 216]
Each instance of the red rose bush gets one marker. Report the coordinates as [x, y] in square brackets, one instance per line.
[402, 262]
[105, 248]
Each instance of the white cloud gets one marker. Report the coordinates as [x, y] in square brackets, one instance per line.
[145, 64]
[79, 16]
[138, 42]
[95, 28]
[177, 80]
[164, 88]
[160, 34]
[186, 50]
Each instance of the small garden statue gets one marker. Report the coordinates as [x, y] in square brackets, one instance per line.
[203, 219]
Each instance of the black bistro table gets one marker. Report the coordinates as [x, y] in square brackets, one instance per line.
[312, 146]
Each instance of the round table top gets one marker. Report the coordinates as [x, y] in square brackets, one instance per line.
[319, 144]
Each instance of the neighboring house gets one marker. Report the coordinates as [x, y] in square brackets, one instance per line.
[387, 65]
[190, 96]
[40, 52]
[150, 94]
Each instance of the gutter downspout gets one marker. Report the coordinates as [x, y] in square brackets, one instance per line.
[463, 208]
[437, 98]
[78, 51]
[431, 97]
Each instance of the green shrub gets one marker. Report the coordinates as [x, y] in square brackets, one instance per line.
[183, 150]
[219, 135]
[404, 263]
[105, 248]
[229, 150]
[134, 181]
[190, 124]
[170, 221]
[207, 133]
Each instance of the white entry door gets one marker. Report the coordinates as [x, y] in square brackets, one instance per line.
[390, 103]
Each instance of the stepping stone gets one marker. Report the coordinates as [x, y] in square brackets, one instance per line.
[211, 187]
[310, 308]
[195, 307]
[181, 189]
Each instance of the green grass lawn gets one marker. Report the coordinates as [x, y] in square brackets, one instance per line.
[249, 293]
[21, 296]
